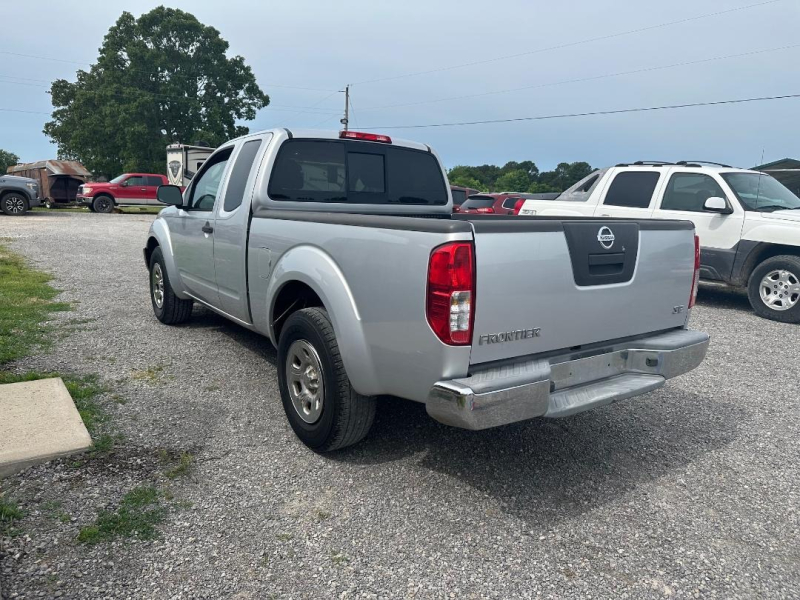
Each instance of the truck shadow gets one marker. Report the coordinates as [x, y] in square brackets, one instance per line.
[544, 470]
[203, 318]
[723, 297]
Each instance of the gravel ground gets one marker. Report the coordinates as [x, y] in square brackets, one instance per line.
[691, 491]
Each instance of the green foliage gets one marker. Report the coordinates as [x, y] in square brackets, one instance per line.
[26, 300]
[137, 516]
[159, 79]
[519, 177]
[9, 512]
[7, 159]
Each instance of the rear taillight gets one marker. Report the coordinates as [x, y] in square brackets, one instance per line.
[485, 211]
[369, 137]
[451, 293]
[696, 278]
[518, 205]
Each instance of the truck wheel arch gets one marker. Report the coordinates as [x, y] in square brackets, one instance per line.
[759, 252]
[329, 289]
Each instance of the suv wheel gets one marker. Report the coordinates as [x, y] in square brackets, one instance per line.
[103, 204]
[774, 289]
[14, 204]
[323, 409]
[168, 308]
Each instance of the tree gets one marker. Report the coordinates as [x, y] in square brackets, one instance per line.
[159, 79]
[513, 181]
[541, 188]
[7, 159]
[465, 181]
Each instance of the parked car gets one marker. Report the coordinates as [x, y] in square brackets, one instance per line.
[129, 189]
[490, 204]
[460, 195]
[320, 242]
[747, 221]
[18, 194]
[58, 180]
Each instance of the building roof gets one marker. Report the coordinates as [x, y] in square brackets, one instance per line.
[785, 170]
[54, 167]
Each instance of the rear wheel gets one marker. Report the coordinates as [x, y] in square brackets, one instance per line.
[14, 204]
[323, 409]
[774, 289]
[103, 204]
[168, 308]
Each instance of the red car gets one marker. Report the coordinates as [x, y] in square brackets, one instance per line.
[460, 195]
[490, 204]
[129, 189]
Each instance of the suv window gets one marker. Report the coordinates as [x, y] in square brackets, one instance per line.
[239, 175]
[459, 196]
[633, 189]
[205, 185]
[689, 192]
[356, 172]
[154, 180]
[510, 202]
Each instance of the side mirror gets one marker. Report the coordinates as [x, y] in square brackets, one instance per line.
[170, 194]
[717, 205]
[125, 183]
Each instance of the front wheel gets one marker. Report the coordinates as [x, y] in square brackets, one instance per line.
[774, 289]
[14, 204]
[103, 204]
[168, 308]
[323, 409]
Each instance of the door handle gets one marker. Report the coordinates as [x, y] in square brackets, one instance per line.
[207, 228]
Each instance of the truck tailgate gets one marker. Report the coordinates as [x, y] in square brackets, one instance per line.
[552, 284]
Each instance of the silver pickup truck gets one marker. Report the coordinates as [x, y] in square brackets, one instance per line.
[342, 249]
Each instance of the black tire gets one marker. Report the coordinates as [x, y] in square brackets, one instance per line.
[790, 297]
[173, 310]
[103, 203]
[90, 207]
[14, 204]
[346, 415]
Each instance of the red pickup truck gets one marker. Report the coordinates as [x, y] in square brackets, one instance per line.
[129, 189]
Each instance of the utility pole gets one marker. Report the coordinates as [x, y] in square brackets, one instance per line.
[346, 118]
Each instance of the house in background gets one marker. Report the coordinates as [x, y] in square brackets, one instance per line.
[58, 179]
[786, 170]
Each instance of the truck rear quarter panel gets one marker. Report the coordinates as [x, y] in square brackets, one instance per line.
[373, 283]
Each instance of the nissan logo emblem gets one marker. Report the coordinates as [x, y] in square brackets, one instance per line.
[606, 237]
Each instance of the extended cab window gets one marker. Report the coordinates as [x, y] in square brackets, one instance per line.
[355, 172]
[206, 184]
[239, 175]
[632, 189]
[689, 192]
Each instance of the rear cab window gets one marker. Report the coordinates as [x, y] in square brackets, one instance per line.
[356, 172]
[632, 189]
[479, 202]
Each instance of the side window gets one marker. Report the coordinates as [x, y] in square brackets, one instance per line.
[632, 189]
[459, 196]
[155, 181]
[135, 180]
[239, 175]
[205, 186]
[310, 171]
[509, 203]
[689, 191]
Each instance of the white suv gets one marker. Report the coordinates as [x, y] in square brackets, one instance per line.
[747, 221]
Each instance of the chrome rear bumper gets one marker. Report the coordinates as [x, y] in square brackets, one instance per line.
[564, 385]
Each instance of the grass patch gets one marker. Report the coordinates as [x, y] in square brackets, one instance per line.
[9, 514]
[84, 391]
[183, 467]
[150, 374]
[147, 210]
[26, 300]
[137, 517]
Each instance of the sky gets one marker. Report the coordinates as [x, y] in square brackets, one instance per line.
[380, 47]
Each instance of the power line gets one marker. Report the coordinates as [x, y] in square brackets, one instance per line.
[570, 44]
[583, 79]
[32, 112]
[588, 114]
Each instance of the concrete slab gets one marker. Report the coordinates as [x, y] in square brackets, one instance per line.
[38, 422]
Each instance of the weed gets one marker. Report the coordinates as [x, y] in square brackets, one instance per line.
[284, 537]
[182, 468]
[9, 513]
[137, 516]
[149, 375]
[26, 300]
[339, 558]
[322, 515]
